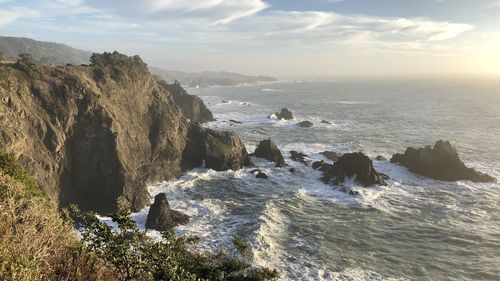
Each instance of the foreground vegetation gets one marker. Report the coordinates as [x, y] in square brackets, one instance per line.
[39, 243]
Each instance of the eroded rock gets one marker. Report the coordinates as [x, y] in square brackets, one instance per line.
[355, 165]
[162, 218]
[305, 124]
[284, 114]
[440, 162]
[268, 150]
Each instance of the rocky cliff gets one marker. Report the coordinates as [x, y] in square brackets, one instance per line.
[191, 106]
[93, 134]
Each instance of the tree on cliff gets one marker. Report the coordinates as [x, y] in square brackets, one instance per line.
[26, 58]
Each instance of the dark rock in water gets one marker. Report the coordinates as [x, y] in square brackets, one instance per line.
[349, 191]
[292, 170]
[305, 124]
[235, 121]
[191, 106]
[298, 157]
[440, 162]
[321, 166]
[325, 122]
[261, 175]
[255, 171]
[285, 114]
[268, 150]
[318, 164]
[162, 218]
[219, 150]
[225, 101]
[332, 155]
[353, 164]
[380, 158]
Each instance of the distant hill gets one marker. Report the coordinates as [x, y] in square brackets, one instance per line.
[209, 78]
[60, 54]
[43, 52]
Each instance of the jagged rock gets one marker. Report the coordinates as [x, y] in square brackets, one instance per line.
[261, 175]
[321, 166]
[305, 124]
[191, 106]
[162, 218]
[332, 155]
[318, 164]
[298, 157]
[235, 121]
[380, 158]
[355, 165]
[92, 134]
[217, 149]
[325, 122]
[268, 150]
[285, 114]
[440, 162]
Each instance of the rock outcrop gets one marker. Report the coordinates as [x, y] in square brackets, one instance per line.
[380, 158]
[298, 157]
[355, 165]
[332, 155]
[217, 150]
[268, 150]
[284, 114]
[191, 106]
[162, 218]
[305, 124]
[92, 134]
[440, 162]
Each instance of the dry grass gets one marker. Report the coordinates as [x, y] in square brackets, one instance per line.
[36, 243]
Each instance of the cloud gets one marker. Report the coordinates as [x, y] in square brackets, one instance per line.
[12, 14]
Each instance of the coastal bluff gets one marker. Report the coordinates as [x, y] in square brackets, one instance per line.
[94, 134]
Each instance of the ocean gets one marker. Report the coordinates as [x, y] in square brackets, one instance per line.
[414, 229]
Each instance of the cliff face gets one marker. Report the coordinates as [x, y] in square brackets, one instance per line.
[191, 106]
[92, 134]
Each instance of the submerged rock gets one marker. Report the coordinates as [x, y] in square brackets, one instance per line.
[440, 162]
[261, 175]
[235, 121]
[268, 150]
[162, 218]
[325, 122]
[380, 158]
[332, 155]
[298, 157]
[305, 124]
[284, 114]
[355, 165]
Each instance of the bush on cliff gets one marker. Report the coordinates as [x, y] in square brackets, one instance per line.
[135, 256]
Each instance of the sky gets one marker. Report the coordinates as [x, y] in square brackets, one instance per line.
[283, 38]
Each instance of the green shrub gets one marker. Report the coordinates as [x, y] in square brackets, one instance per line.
[9, 167]
[135, 256]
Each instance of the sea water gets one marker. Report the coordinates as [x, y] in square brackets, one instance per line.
[414, 229]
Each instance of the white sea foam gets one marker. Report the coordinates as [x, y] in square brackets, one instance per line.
[273, 90]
